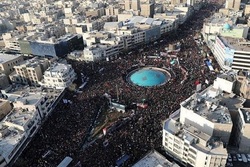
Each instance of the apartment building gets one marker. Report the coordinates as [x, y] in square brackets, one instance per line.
[215, 24]
[233, 4]
[11, 41]
[243, 126]
[100, 52]
[4, 81]
[232, 53]
[154, 159]
[127, 4]
[242, 86]
[181, 12]
[112, 10]
[135, 4]
[147, 10]
[30, 108]
[247, 9]
[199, 132]
[192, 146]
[30, 71]
[58, 76]
[8, 61]
[5, 108]
[50, 47]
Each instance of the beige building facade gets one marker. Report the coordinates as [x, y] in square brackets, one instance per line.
[5, 108]
[243, 126]
[147, 10]
[7, 62]
[30, 71]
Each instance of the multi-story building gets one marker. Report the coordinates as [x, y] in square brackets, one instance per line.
[30, 108]
[8, 61]
[232, 53]
[199, 132]
[58, 76]
[176, 2]
[242, 86]
[247, 9]
[192, 146]
[112, 10]
[154, 159]
[243, 125]
[30, 71]
[11, 41]
[127, 4]
[147, 10]
[4, 81]
[233, 4]
[135, 4]
[215, 24]
[180, 12]
[5, 108]
[50, 47]
[100, 52]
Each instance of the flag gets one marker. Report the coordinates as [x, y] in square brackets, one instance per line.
[104, 130]
[142, 105]
[197, 82]
[198, 87]
[206, 81]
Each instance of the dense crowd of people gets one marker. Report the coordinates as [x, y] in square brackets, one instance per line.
[68, 128]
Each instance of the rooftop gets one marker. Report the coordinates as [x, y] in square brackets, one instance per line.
[9, 138]
[26, 98]
[154, 159]
[34, 62]
[236, 43]
[7, 57]
[58, 68]
[246, 114]
[195, 137]
[213, 105]
[219, 19]
[20, 117]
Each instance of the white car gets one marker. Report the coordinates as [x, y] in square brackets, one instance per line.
[244, 158]
[239, 157]
[229, 158]
[248, 157]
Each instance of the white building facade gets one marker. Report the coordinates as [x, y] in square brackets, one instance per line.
[58, 76]
[232, 53]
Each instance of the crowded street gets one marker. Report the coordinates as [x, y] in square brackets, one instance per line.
[67, 131]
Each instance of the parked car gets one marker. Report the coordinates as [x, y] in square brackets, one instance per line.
[239, 157]
[244, 158]
[248, 157]
[229, 158]
[234, 158]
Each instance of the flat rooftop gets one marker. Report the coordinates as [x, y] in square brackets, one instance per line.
[174, 127]
[213, 105]
[58, 68]
[154, 159]
[237, 44]
[7, 57]
[19, 90]
[212, 144]
[34, 62]
[25, 98]
[20, 117]
[10, 137]
[219, 19]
